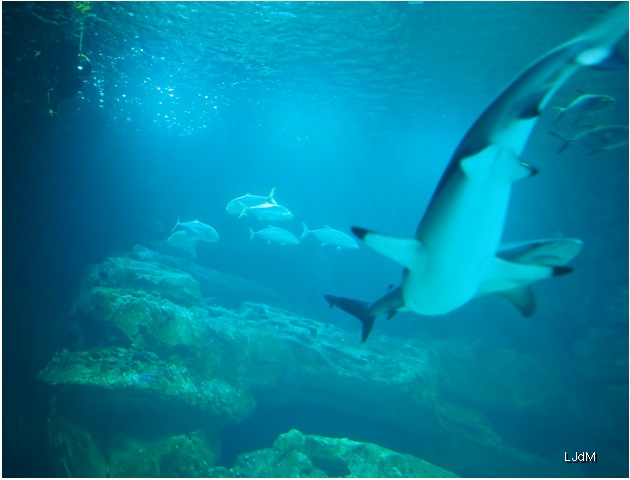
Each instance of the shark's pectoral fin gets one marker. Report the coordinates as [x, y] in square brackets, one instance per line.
[511, 281]
[408, 252]
[522, 298]
[501, 275]
[356, 308]
[517, 265]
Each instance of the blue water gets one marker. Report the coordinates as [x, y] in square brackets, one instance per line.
[351, 110]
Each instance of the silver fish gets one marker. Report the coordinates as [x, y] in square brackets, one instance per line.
[275, 234]
[268, 212]
[199, 230]
[596, 139]
[330, 236]
[585, 105]
[236, 206]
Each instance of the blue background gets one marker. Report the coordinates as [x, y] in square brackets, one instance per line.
[351, 110]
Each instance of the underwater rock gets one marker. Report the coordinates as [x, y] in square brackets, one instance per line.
[136, 377]
[289, 360]
[121, 412]
[146, 275]
[150, 347]
[479, 374]
[123, 295]
[120, 298]
[601, 355]
[466, 422]
[296, 455]
[127, 302]
[222, 288]
[178, 455]
[91, 444]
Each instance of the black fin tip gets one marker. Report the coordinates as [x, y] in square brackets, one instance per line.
[360, 232]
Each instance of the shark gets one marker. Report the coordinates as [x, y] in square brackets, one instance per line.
[455, 255]
[552, 253]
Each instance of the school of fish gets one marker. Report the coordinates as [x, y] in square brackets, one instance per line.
[186, 235]
[594, 138]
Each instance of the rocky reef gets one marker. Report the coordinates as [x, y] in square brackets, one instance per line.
[163, 359]
[296, 455]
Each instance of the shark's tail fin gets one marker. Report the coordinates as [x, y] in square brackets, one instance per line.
[252, 234]
[305, 230]
[565, 145]
[356, 308]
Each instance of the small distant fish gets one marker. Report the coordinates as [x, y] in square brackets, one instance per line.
[198, 229]
[597, 139]
[236, 206]
[184, 240]
[268, 212]
[585, 105]
[275, 234]
[330, 236]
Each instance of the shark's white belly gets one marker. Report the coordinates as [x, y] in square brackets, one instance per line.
[462, 236]
[436, 291]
